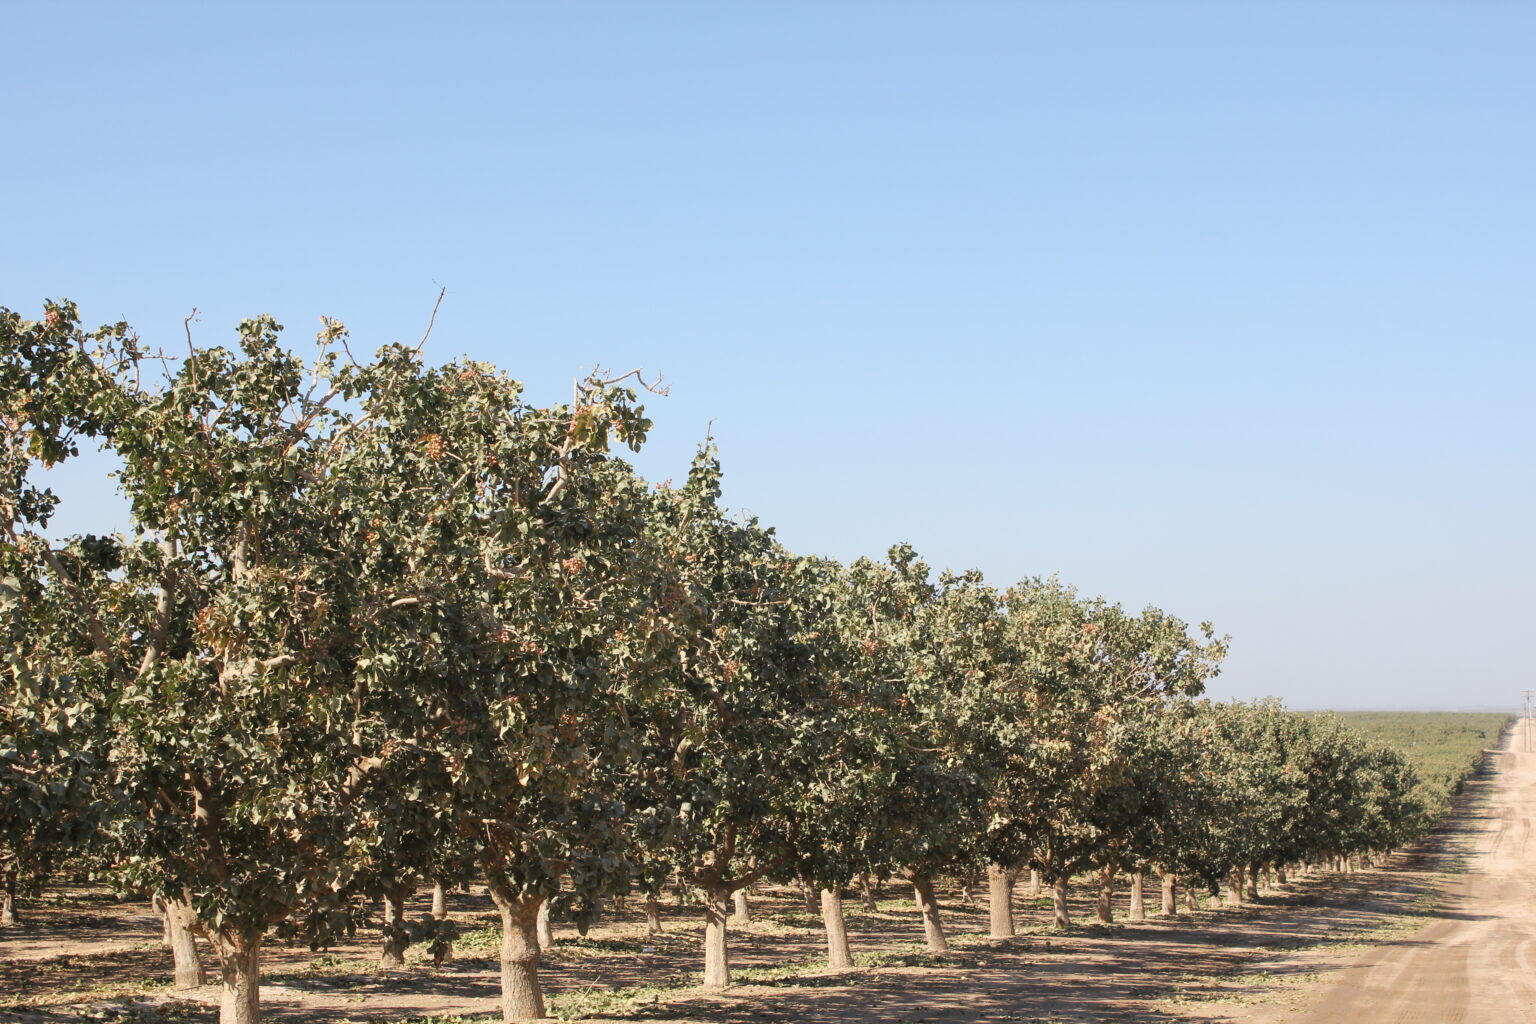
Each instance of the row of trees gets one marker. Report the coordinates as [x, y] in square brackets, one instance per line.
[380, 623]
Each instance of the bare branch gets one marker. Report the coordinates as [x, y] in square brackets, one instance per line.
[639, 374]
[432, 320]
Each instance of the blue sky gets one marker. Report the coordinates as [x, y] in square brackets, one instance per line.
[1223, 307]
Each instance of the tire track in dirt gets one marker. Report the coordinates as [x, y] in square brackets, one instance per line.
[1477, 961]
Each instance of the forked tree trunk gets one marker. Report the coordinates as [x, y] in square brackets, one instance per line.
[1104, 907]
[179, 921]
[1059, 915]
[8, 900]
[521, 996]
[1138, 909]
[717, 964]
[1034, 883]
[1170, 902]
[838, 957]
[240, 970]
[1000, 901]
[396, 938]
[743, 913]
[867, 893]
[652, 916]
[544, 931]
[928, 907]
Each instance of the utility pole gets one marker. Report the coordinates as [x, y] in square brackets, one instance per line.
[1525, 722]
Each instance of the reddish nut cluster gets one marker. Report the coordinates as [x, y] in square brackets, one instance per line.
[435, 446]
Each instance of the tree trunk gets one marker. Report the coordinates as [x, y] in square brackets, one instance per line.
[521, 996]
[543, 930]
[179, 920]
[812, 897]
[838, 957]
[8, 900]
[1191, 897]
[928, 907]
[1000, 901]
[240, 968]
[867, 893]
[396, 938]
[1104, 907]
[1170, 893]
[1034, 883]
[158, 906]
[1253, 880]
[1235, 887]
[1280, 878]
[1138, 910]
[1059, 914]
[442, 951]
[717, 964]
[652, 916]
[743, 913]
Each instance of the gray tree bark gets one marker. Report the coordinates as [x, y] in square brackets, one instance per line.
[1059, 915]
[838, 956]
[442, 952]
[396, 938]
[1104, 907]
[1000, 901]
[652, 916]
[867, 893]
[717, 964]
[1235, 887]
[8, 900]
[544, 931]
[928, 907]
[240, 972]
[179, 922]
[522, 997]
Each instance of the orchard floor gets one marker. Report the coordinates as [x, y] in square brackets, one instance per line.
[81, 955]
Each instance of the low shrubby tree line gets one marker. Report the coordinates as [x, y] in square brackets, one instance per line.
[379, 624]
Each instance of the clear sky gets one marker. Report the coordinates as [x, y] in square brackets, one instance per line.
[1225, 307]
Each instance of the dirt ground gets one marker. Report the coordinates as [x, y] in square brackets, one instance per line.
[1439, 933]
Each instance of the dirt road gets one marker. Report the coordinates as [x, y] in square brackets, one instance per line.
[1477, 960]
